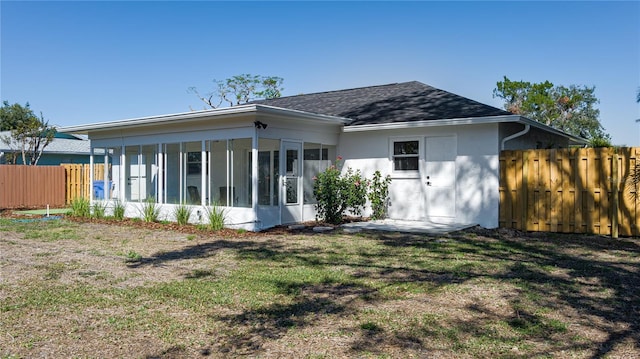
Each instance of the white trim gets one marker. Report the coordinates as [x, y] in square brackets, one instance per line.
[433, 123]
[160, 193]
[408, 174]
[203, 173]
[254, 172]
[464, 121]
[201, 115]
[91, 179]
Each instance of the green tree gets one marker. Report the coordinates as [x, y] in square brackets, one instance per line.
[12, 115]
[570, 109]
[240, 89]
[29, 134]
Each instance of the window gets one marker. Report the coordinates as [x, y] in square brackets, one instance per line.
[405, 155]
[316, 159]
[230, 172]
[194, 163]
[268, 172]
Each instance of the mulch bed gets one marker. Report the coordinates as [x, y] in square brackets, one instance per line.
[306, 227]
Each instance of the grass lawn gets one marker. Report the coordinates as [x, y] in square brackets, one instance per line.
[85, 290]
[42, 212]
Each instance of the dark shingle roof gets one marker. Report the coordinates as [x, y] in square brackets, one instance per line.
[400, 102]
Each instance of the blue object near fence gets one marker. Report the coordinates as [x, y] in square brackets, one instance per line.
[98, 189]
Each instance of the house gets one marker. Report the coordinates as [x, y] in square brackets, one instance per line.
[65, 148]
[258, 160]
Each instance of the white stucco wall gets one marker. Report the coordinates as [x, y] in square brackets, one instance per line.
[477, 171]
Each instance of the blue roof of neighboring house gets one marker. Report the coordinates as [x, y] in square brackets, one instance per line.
[62, 143]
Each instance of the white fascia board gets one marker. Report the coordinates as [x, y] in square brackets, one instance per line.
[201, 115]
[160, 119]
[433, 123]
[464, 121]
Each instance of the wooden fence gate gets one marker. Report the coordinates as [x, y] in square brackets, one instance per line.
[77, 179]
[582, 190]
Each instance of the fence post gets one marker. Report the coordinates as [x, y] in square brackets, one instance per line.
[615, 180]
[524, 192]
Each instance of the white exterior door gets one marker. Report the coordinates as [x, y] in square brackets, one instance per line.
[439, 176]
[291, 175]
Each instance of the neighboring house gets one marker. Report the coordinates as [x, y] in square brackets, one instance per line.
[65, 148]
[259, 159]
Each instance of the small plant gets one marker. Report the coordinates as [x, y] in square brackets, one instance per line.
[216, 216]
[371, 326]
[378, 195]
[98, 209]
[150, 210]
[118, 210]
[182, 213]
[133, 256]
[80, 207]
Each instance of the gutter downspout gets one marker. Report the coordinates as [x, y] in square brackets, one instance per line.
[527, 127]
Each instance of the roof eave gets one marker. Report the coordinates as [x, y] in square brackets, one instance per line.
[574, 139]
[199, 115]
[466, 121]
[433, 123]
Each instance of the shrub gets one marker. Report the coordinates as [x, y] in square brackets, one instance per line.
[328, 188]
[98, 209]
[336, 193]
[150, 210]
[600, 141]
[182, 214]
[216, 216]
[378, 195]
[355, 187]
[80, 207]
[118, 210]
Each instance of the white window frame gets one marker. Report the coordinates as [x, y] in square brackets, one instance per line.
[392, 156]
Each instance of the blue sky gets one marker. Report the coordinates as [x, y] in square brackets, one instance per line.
[83, 61]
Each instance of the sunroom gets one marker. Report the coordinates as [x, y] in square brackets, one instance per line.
[254, 162]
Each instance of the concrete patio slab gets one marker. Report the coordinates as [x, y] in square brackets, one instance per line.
[392, 225]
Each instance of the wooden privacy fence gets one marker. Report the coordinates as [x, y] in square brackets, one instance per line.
[31, 186]
[78, 179]
[582, 190]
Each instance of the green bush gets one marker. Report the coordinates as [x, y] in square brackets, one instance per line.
[182, 214]
[80, 207]
[601, 141]
[378, 195]
[329, 190]
[335, 194]
[355, 187]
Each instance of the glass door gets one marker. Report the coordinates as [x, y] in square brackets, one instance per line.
[291, 174]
